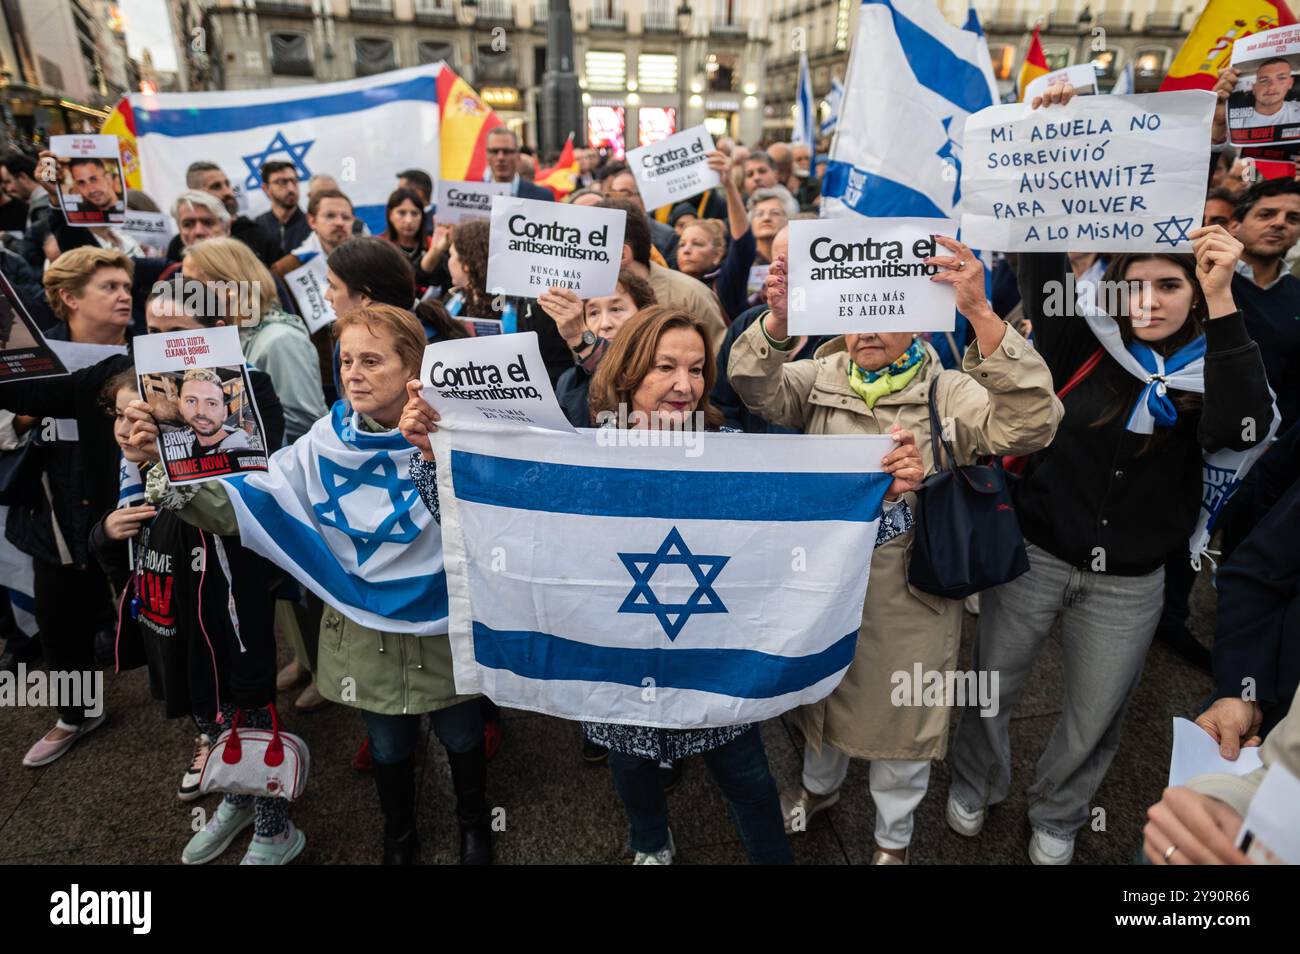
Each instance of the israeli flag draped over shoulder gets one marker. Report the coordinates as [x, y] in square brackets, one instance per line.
[640, 585]
[388, 122]
[337, 509]
[1221, 471]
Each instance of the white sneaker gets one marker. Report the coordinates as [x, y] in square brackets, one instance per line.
[194, 774]
[215, 837]
[1047, 849]
[664, 856]
[964, 822]
[272, 851]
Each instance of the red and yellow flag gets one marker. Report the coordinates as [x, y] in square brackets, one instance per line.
[1208, 48]
[465, 123]
[1035, 65]
[121, 123]
[561, 178]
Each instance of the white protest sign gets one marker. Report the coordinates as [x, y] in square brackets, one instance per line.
[151, 230]
[538, 245]
[867, 274]
[1264, 106]
[674, 168]
[308, 284]
[196, 382]
[489, 382]
[1101, 174]
[1082, 76]
[91, 183]
[461, 201]
[1269, 834]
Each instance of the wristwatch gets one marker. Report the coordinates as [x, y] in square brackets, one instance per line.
[588, 342]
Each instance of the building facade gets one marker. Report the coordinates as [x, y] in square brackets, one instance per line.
[1109, 33]
[647, 67]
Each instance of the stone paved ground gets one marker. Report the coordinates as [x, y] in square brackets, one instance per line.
[112, 799]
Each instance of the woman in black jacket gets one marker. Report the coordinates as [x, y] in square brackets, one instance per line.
[1100, 508]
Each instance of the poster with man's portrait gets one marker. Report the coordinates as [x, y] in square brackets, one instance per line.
[24, 352]
[1264, 106]
[92, 187]
[196, 383]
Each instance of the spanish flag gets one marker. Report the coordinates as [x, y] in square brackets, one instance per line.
[1035, 65]
[1208, 48]
[121, 123]
[465, 123]
[561, 178]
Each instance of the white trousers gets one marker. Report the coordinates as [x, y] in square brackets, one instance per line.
[897, 787]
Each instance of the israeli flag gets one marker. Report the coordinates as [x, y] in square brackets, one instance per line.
[595, 579]
[362, 132]
[337, 510]
[833, 99]
[1124, 85]
[17, 581]
[913, 79]
[805, 108]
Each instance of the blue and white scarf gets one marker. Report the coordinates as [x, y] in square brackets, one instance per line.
[1221, 471]
[338, 510]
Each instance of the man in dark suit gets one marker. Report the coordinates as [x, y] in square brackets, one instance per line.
[503, 166]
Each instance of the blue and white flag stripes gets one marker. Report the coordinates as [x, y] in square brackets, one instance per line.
[834, 99]
[1124, 85]
[362, 132]
[338, 511]
[643, 586]
[913, 78]
[17, 581]
[1221, 471]
[805, 107]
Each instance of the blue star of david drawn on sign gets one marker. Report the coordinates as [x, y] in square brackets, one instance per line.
[951, 151]
[293, 152]
[1169, 225]
[672, 616]
[379, 471]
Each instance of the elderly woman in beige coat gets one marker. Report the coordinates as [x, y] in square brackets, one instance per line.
[1000, 402]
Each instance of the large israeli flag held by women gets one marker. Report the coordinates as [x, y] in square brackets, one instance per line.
[912, 80]
[338, 510]
[362, 132]
[641, 585]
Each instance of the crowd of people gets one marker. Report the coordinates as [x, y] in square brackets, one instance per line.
[696, 330]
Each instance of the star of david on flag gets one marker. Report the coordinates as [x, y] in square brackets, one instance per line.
[380, 472]
[279, 146]
[672, 616]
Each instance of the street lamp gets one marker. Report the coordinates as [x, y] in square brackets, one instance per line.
[684, 18]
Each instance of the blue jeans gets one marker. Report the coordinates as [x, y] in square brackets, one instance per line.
[739, 768]
[394, 737]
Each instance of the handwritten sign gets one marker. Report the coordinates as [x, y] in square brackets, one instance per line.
[308, 285]
[196, 382]
[867, 274]
[483, 383]
[674, 168]
[462, 201]
[1101, 174]
[538, 245]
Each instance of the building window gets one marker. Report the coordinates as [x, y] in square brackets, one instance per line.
[1058, 57]
[720, 68]
[1004, 60]
[290, 55]
[435, 51]
[1104, 63]
[657, 72]
[1150, 60]
[373, 54]
[606, 71]
[494, 66]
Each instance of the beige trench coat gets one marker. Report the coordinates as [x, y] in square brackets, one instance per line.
[1002, 404]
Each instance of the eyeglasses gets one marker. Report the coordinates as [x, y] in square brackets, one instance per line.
[502, 152]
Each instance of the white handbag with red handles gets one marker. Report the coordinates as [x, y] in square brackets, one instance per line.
[266, 763]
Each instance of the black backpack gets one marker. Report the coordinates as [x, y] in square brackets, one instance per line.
[967, 537]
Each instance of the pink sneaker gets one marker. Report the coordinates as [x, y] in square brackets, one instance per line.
[45, 751]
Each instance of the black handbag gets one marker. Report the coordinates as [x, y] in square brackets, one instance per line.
[967, 537]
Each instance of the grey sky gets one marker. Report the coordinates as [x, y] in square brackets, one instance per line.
[147, 25]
